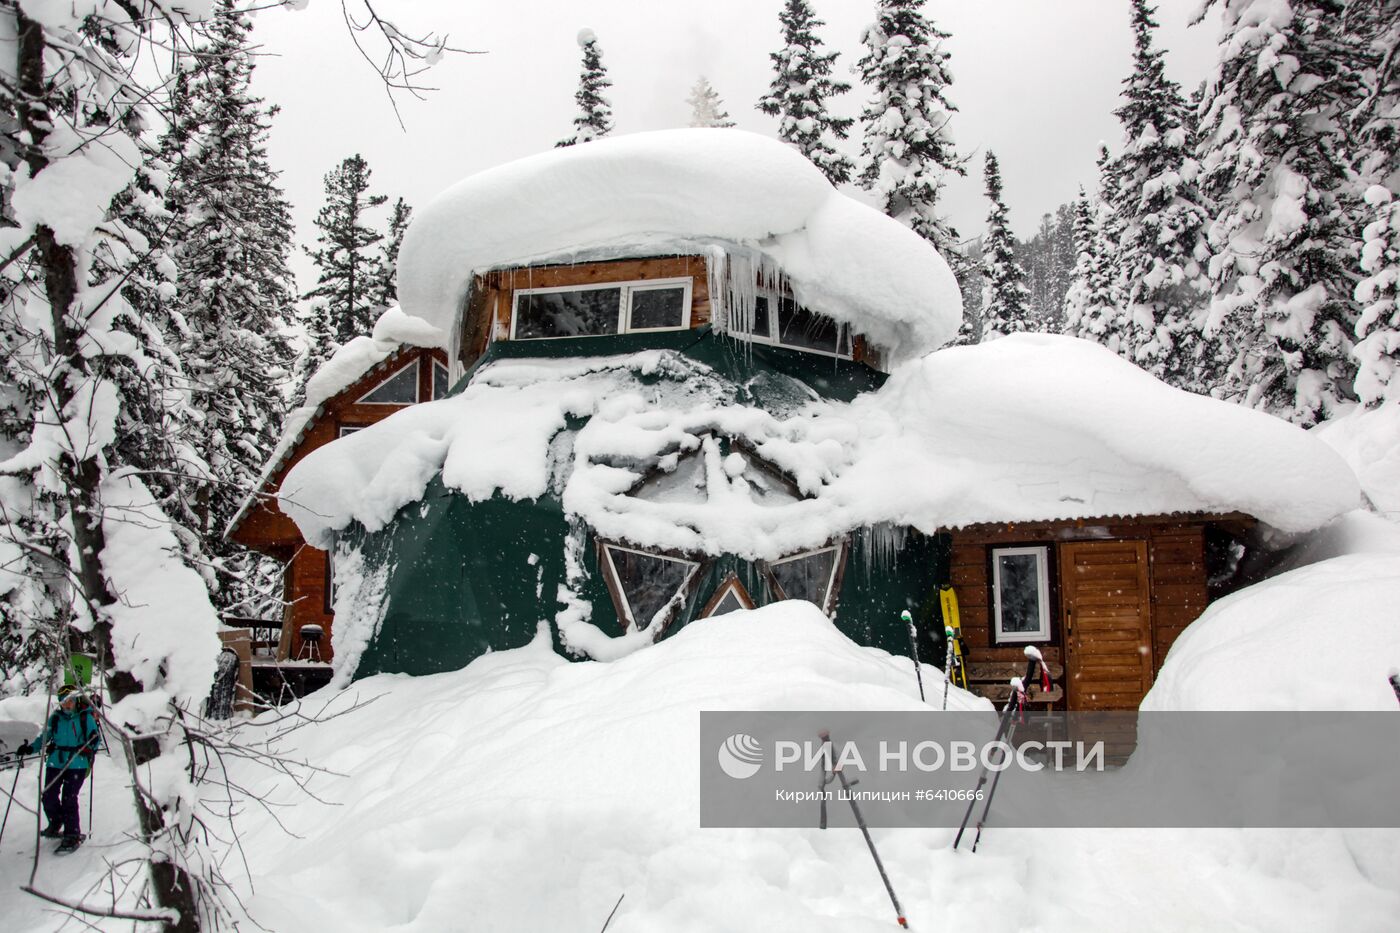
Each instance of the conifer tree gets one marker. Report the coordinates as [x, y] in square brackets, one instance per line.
[1089, 306]
[1005, 298]
[386, 290]
[1159, 249]
[594, 119]
[235, 292]
[907, 146]
[802, 83]
[343, 303]
[706, 108]
[1274, 160]
[1377, 171]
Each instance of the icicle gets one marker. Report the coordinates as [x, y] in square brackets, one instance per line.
[881, 545]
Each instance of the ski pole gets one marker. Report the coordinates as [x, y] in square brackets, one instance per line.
[14, 785]
[846, 786]
[914, 650]
[947, 663]
[1012, 705]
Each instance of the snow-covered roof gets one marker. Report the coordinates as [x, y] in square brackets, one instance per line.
[1025, 428]
[684, 191]
[393, 331]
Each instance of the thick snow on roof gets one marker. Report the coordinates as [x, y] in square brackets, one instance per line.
[1029, 427]
[392, 332]
[676, 191]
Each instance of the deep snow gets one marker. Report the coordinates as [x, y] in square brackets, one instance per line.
[526, 793]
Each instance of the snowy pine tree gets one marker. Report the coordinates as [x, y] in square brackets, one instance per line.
[344, 301]
[907, 146]
[1089, 305]
[1377, 170]
[594, 119]
[386, 289]
[1048, 258]
[1160, 250]
[1005, 298]
[802, 83]
[1274, 159]
[706, 109]
[236, 293]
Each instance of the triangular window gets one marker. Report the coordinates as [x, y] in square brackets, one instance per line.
[730, 597]
[441, 385]
[399, 389]
[810, 576]
[645, 587]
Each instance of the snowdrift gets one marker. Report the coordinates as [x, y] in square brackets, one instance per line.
[1322, 637]
[527, 793]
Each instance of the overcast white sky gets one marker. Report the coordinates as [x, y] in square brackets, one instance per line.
[1035, 80]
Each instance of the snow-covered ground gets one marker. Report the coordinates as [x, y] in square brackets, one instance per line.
[528, 793]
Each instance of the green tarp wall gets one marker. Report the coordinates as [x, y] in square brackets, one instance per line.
[470, 577]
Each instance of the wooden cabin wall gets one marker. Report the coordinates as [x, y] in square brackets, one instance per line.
[269, 530]
[308, 578]
[493, 294]
[1177, 578]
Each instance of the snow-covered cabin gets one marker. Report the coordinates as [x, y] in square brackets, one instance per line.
[694, 378]
[363, 383]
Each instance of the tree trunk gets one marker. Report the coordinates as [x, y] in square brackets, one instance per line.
[171, 885]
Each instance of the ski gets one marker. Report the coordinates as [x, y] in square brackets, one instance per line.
[1014, 705]
[70, 844]
[914, 651]
[952, 621]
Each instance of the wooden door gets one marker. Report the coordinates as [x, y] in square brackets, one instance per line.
[1105, 605]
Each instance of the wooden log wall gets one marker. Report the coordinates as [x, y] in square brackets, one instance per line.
[267, 528]
[1177, 577]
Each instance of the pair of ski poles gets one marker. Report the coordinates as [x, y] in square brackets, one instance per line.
[1005, 729]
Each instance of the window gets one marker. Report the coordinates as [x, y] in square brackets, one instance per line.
[782, 321]
[599, 310]
[730, 596]
[399, 389]
[644, 586]
[810, 576]
[661, 307]
[330, 583]
[348, 429]
[1021, 594]
[441, 385]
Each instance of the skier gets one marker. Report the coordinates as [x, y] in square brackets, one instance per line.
[71, 739]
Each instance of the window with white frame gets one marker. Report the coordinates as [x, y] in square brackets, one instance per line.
[399, 389]
[645, 586]
[599, 310]
[810, 575]
[1021, 594]
[730, 597]
[783, 322]
[442, 384]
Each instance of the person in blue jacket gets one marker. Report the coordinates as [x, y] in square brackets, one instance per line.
[71, 737]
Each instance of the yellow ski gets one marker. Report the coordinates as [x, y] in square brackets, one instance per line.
[952, 630]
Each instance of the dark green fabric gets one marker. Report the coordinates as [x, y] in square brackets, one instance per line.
[461, 577]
